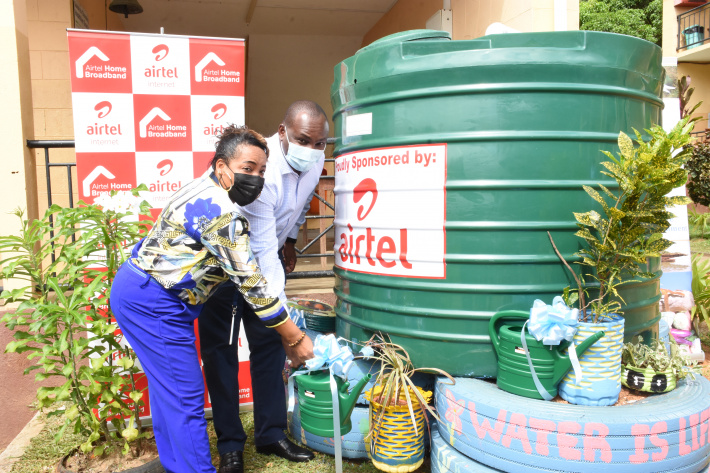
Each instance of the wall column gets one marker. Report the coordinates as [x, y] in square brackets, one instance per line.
[17, 173]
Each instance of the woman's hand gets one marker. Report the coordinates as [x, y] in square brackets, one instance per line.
[298, 354]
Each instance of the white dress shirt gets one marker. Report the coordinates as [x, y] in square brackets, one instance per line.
[279, 212]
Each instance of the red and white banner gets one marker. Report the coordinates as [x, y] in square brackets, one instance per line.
[391, 209]
[145, 105]
[146, 111]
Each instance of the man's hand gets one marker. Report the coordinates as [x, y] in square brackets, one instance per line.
[298, 354]
[298, 346]
[289, 257]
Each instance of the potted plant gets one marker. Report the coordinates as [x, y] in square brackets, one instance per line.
[618, 243]
[65, 263]
[398, 409]
[653, 368]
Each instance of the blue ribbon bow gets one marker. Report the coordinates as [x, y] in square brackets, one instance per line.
[328, 353]
[553, 323]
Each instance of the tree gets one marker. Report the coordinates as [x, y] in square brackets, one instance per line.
[640, 18]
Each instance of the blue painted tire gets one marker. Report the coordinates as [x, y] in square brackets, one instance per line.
[353, 442]
[446, 459]
[662, 433]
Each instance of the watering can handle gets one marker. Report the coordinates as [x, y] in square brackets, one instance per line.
[499, 318]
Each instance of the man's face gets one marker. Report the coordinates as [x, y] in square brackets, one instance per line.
[305, 131]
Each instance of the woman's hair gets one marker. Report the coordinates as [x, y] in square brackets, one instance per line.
[231, 138]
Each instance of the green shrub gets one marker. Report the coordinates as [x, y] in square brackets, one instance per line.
[66, 262]
[698, 167]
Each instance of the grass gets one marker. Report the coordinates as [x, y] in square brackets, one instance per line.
[698, 244]
[43, 454]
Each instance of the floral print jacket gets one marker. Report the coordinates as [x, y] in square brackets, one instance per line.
[198, 242]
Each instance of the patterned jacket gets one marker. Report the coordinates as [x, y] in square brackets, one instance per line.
[199, 241]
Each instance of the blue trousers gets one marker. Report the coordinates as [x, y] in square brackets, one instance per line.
[160, 328]
[221, 366]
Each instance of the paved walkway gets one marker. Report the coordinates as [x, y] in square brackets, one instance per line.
[17, 391]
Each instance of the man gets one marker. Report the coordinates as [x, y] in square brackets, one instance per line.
[296, 156]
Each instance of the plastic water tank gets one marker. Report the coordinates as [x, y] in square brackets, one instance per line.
[453, 161]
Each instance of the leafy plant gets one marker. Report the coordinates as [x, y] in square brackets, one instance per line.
[700, 286]
[685, 91]
[640, 18]
[698, 167]
[393, 381]
[656, 357]
[629, 231]
[699, 220]
[65, 263]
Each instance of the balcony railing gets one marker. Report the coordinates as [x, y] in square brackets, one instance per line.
[692, 27]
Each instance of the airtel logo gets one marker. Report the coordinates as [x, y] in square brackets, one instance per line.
[209, 57]
[365, 186]
[165, 166]
[104, 108]
[219, 110]
[160, 51]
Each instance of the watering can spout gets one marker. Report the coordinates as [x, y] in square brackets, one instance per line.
[347, 401]
[565, 363]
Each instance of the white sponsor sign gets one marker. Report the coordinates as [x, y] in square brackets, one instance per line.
[164, 174]
[161, 65]
[210, 114]
[391, 210]
[103, 122]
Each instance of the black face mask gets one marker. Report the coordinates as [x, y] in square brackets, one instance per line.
[245, 188]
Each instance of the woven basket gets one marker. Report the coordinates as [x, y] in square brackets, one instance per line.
[395, 446]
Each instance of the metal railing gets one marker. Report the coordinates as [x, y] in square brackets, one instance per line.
[692, 26]
[51, 144]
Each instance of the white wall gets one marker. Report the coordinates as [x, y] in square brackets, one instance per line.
[284, 68]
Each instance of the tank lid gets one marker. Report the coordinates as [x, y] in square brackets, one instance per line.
[404, 36]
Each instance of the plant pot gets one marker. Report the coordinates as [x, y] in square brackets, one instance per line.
[601, 365]
[395, 446]
[647, 379]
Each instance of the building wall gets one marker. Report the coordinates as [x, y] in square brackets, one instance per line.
[47, 22]
[284, 68]
[700, 80]
[471, 18]
[669, 38]
[699, 73]
[404, 15]
[17, 173]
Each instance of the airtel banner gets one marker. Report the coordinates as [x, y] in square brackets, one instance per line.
[145, 104]
[146, 111]
[391, 209]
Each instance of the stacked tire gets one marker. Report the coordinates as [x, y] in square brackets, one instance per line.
[485, 429]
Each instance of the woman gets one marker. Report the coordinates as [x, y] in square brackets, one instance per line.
[199, 241]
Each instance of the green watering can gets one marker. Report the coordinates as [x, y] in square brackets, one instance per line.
[316, 402]
[514, 373]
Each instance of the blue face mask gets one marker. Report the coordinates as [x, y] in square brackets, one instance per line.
[301, 158]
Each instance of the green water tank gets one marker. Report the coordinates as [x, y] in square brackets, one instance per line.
[453, 161]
